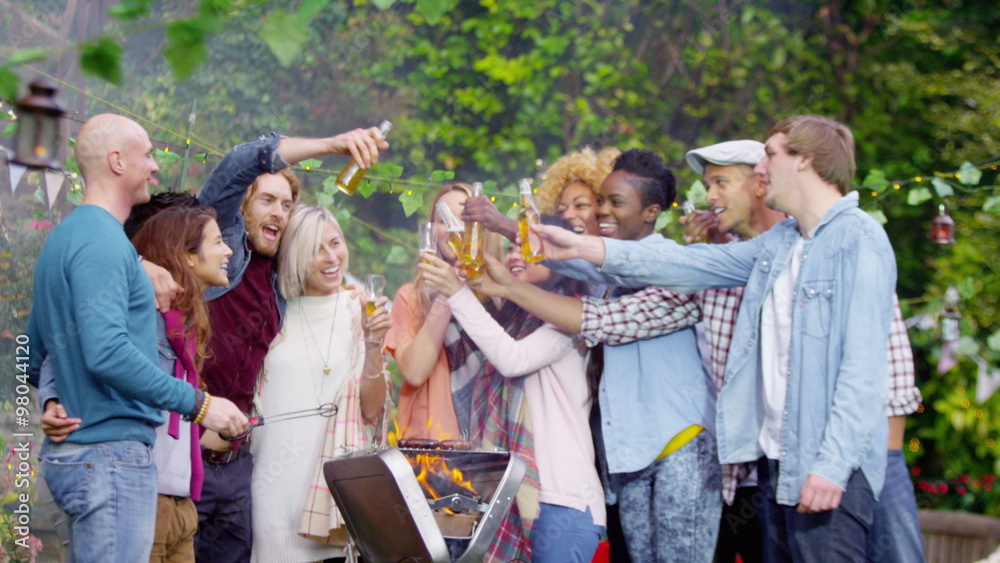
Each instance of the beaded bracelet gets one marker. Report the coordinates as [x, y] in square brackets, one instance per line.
[379, 375]
[204, 409]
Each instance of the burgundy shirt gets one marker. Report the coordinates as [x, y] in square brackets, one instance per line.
[244, 321]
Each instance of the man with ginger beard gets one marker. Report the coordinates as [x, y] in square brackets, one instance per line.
[253, 193]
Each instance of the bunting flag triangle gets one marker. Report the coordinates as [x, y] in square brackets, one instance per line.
[16, 173]
[53, 183]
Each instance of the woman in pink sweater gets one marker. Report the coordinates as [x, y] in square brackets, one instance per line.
[552, 365]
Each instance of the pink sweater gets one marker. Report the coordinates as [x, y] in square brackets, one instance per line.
[555, 385]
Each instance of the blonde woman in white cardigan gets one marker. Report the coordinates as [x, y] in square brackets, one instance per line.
[327, 352]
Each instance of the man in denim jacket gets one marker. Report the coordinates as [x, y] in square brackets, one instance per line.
[806, 376]
[253, 193]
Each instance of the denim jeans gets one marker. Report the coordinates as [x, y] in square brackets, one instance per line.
[225, 534]
[562, 535]
[895, 536]
[108, 491]
[670, 510]
[832, 536]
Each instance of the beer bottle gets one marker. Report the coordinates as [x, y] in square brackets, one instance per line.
[475, 242]
[531, 243]
[350, 178]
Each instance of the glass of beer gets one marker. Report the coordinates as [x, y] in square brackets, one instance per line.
[425, 237]
[374, 286]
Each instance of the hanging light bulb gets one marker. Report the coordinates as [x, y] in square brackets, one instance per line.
[942, 228]
[38, 124]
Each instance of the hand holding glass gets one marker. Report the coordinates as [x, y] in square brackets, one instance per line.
[374, 287]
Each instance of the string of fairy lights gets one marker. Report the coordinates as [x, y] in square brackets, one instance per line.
[878, 191]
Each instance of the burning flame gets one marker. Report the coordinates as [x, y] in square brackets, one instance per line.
[436, 465]
[433, 431]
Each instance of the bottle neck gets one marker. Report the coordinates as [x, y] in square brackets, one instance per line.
[527, 200]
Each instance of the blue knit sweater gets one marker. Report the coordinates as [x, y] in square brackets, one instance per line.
[94, 315]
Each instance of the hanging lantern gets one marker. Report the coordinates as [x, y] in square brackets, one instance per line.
[942, 228]
[38, 122]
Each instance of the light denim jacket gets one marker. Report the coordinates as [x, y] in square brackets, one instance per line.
[834, 416]
[224, 191]
[650, 390]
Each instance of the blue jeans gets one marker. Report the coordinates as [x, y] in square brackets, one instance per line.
[562, 534]
[895, 536]
[108, 491]
[225, 533]
[833, 536]
[670, 511]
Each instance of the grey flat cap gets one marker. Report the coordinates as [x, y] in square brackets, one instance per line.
[725, 154]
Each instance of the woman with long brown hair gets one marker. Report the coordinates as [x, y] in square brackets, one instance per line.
[186, 241]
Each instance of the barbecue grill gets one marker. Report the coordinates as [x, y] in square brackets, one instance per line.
[393, 518]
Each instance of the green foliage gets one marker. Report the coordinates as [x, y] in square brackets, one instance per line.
[411, 202]
[284, 34]
[102, 58]
[696, 193]
[9, 82]
[876, 181]
[442, 175]
[130, 9]
[29, 55]
[311, 163]
[916, 196]
[968, 174]
[942, 188]
[992, 205]
[387, 170]
[482, 90]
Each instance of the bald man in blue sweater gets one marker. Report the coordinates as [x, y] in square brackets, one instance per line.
[94, 316]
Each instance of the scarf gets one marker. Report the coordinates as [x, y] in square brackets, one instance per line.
[346, 432]
[185, 347]
[497, 417]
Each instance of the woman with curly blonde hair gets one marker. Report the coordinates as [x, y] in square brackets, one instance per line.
[569, 187]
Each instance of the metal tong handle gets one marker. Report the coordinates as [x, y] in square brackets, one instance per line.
[325, 410]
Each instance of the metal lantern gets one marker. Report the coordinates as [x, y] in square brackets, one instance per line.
[942, 228]
[38, 123]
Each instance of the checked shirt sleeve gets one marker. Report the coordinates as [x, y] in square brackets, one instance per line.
[648, 313]
[904, 397]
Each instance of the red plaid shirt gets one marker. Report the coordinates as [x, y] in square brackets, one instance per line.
[655, 311]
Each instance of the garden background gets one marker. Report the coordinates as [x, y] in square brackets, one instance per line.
[492, 91]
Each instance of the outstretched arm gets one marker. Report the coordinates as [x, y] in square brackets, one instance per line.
[560, 310]
[648, 313]
[563, 244]
[361, 144]
[268, 155]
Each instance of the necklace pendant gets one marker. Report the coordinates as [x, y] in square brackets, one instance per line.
[326, 370]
